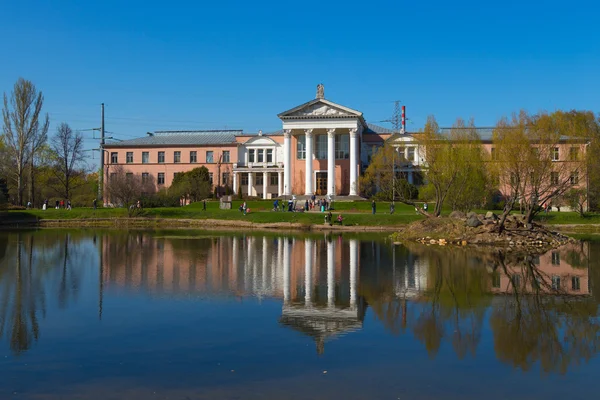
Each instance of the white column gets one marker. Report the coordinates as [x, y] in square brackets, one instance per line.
[265, 182]
[308, 255]
[279, 183]
[265, 263]
[286, 271]
[353, 161]
[235, 183]
[331, 161]
[331, 273]
[353, 270]
[309, 162]
[250, 183]
[287, 161]
[235, 250]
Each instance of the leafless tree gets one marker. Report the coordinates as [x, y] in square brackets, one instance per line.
[125, 188]
[68, 150]
[25, 130]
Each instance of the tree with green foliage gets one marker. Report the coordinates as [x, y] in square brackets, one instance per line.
[381, 178]
[193, 185]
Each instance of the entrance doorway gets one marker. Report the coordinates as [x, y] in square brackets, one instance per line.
[321, 188]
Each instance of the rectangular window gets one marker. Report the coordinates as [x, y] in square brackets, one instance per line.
[244, 179]
[555, 282]
[129, 158]
[145, 157]
[555, 154]
[411, 154]
[225, 180]
[145, 177]
[226, 157]
[258, 179]
[554, 178]
[274, 179]
[574, 153]
[555, 258]
[342, 147]
[161, 178]
[161, 157]
[269, 155]
[210, 157]
[536, 260]
[177, 157]
[193, 157]
[129, 176]
[210, 177]
[321, 147]
[575, 284]
[301, 148]
[114, 158]
[401, 153]
[251, 155]
[496, 280]
[516, 279]
[575, 178]
[371, 150]
[259, 154]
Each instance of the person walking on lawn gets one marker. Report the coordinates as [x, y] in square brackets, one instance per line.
[373, 207]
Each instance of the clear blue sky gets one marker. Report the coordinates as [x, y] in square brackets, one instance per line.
[236, 64]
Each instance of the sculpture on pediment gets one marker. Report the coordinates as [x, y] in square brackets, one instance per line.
[320, 91]
[318, 110]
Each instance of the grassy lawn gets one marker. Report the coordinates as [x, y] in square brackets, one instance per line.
[355, 213]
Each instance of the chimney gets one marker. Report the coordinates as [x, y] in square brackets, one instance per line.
[403, 130]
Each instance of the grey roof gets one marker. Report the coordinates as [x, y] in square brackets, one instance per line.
[372, 128]
[182, 138]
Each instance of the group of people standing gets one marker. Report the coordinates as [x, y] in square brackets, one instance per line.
[58, 204]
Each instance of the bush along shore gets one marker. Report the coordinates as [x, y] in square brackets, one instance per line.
[482, 229]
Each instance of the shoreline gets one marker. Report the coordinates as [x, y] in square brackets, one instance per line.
[204, 224]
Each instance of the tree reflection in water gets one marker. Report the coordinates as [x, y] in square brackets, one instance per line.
[26, 277]
[534, 316]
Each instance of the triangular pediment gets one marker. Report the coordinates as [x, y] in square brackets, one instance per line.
[260, 141]
[320, 108]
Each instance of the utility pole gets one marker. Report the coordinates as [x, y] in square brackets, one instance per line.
[101, 174]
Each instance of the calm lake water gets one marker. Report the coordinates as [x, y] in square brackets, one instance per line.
[195, 315]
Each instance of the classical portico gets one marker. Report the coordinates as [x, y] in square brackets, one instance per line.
[327, 138]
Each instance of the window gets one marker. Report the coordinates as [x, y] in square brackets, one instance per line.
[225, 180]
[259, 180]
[411, 154]
[536, 260]
[177, 157]
[251, 155]
[555, 154]
[129, 158]
[259, 155]
[494, 153]
[274, 179]
[129, 176]
[496, 280]
[321, 147]
[555, 258]
[269, 155]
[575, 178]
[401, 153]
[210, 177]
[193, 157]
[114, 158]
[161, 178]
[113, 176]
[145, 157]
[145, 177]
[371, 150]
[161, 157]
[210, 158]
[554, 178]
[514, 179]
[575, 284]
[226, 157]
[555, 282]
[244, 180]
[574, 153]
[516, 280]
[301, 148]
[342, 147]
